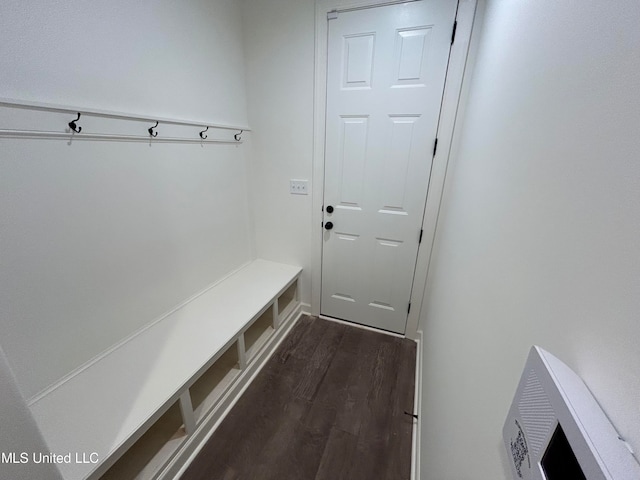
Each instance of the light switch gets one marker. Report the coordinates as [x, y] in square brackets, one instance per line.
[299, 187]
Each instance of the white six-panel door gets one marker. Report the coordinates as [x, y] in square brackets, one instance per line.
[385, 76]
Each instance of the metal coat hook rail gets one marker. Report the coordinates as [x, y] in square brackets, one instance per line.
[75, 131]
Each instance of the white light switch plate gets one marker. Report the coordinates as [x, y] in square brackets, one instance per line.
[299, 187]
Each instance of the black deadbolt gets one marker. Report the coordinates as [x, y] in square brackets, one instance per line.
[328, 225]
[329, 209]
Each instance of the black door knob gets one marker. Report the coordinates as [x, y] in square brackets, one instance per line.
[328, 225]
[329, 209]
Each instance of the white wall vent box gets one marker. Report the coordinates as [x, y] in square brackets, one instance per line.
[556, 430]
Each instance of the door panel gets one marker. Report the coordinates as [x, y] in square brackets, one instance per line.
[358, 61]
[351, 160]
[412, 47]
[385, 75]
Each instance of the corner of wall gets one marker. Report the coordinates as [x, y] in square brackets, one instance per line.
[20, 438]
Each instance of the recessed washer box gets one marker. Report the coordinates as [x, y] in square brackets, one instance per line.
[556, 430]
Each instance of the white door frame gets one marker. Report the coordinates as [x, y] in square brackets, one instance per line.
[452, 89]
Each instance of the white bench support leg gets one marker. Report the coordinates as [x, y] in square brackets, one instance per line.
[186, 408]
[242, 352]
[275, 311]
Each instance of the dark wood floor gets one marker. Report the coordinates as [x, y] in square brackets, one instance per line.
[328, 405]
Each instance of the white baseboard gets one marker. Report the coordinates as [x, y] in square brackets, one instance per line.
[363, 327]
[417, 408]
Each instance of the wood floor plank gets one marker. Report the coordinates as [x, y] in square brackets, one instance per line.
[328, 404]
[354, 409]
[332, 391]
[333, 388]
[293, 354]
[317, 364]
[253, 419]
[376, 431]
[309, 340]
[292, 340]
[230, 474]
[294, 454]
[277, 449]
[337, 456]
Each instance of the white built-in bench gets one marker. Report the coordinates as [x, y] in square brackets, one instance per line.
[144, 406]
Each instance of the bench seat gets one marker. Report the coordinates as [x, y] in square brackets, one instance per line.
[102, 410]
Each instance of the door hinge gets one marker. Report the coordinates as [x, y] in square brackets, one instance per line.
[420, 239]
[409, 308]
[453, 34]
[332, 15]
[435, 146]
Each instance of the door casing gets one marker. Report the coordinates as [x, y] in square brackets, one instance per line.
[446, 130]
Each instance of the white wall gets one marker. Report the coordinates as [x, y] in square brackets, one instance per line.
[156, 57]
[19, 434]
[537, 240]
[101, 238]
[279, 45]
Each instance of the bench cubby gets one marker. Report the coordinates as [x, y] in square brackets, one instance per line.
[207, 391]
[146, 457]
[288, 300]
[259, 332]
